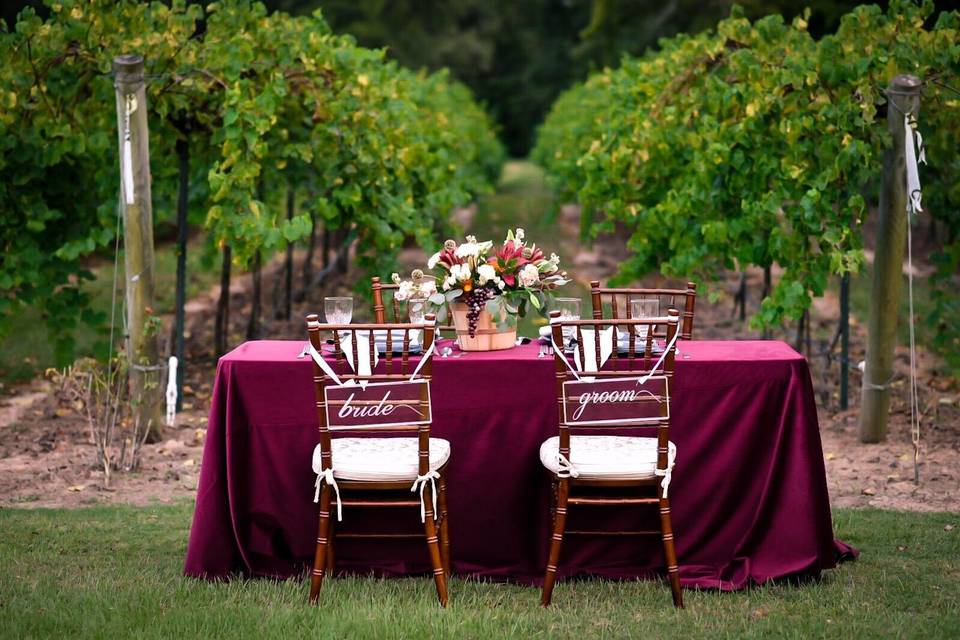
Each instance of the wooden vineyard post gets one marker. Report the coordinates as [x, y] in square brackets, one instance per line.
[137, 210]
[221, 330]
[903, 97]
[844, 341]
[183, 154]
[288, 262]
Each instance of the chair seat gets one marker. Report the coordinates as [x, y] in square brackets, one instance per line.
[381, 459]
[607, 457]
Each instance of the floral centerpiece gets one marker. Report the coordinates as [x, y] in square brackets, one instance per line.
[487, 287]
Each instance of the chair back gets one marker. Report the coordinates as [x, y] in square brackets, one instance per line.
[617, 303]
[389, 398]
[381, 290]
[632, 390]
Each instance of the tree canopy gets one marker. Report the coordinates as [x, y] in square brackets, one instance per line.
[756, 144]
[265, 100]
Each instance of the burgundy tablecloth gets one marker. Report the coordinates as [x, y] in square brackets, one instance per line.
[749, 493]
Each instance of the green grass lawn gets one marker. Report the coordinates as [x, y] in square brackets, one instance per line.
[27, 349]
[115, 572]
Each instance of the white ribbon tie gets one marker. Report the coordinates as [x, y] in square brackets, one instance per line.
[327, 476]
[421, 483]
[566, 470]
[665, 483]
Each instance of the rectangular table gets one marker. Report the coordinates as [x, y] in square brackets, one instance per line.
[748, 495]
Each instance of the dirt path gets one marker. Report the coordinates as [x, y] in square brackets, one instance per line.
[46, 456]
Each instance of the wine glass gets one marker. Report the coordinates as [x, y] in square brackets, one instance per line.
[569, 310]
[642, 308]
[338, 309]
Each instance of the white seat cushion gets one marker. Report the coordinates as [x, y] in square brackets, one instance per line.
[607, 457]
[380, 459]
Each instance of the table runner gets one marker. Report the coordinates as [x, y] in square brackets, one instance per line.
[749, 494]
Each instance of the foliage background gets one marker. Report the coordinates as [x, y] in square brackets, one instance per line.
[273, 108]
[756, 144]
[517, 56]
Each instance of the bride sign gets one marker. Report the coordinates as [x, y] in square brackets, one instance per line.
[379, 404]
[625, 401]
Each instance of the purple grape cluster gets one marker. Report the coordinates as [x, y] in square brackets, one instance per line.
[476, 300]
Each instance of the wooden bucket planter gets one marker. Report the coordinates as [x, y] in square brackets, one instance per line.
[487, 338]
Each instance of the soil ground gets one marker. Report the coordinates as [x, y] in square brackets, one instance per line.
[47, 455]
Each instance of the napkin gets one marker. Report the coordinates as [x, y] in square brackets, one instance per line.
[362, 366]
[588, 339]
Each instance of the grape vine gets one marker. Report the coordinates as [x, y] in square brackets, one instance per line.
[754, 144]
[264, 100]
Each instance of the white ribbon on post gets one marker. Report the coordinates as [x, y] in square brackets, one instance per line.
[913, 142]
[171, 394]
[130, 105]
[913, 146]
[421, 483]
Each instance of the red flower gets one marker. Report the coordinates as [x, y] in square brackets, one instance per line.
[449, 258]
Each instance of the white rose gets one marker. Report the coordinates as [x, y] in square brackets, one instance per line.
[501, 283]
[486, 273]
[448, 282]
[405, 292]
[428, 288]
[460, 272]
[519, 235]
[468, 250]
[529, 275]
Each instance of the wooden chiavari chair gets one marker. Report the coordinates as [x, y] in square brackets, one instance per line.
[635, 470]
[380, 465]
[611, 299]
[378, 288]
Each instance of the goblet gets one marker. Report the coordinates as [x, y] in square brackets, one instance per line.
[338, 309]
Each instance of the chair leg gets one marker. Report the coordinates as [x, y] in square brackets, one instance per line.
[553, 503]
[433, 546]
[444, 528]
[556, 541]
[331, 552]
[320, 557]
[670, 553]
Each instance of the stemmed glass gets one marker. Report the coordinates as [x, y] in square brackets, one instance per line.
[338, 309]
[569, 310]
[642, 308]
